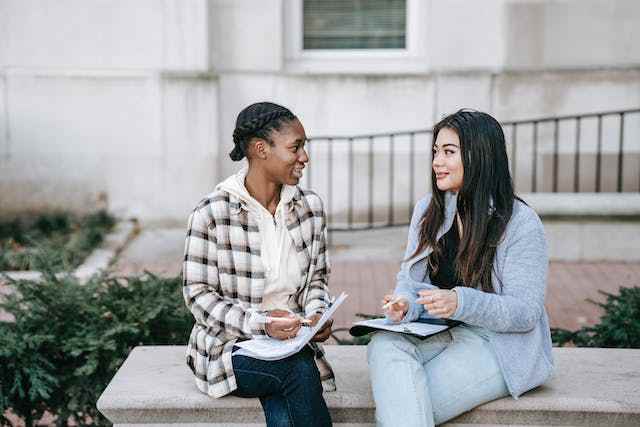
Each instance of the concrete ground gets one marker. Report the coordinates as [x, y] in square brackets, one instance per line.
[364, 264]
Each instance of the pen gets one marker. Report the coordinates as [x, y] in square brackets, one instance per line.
[276, 319]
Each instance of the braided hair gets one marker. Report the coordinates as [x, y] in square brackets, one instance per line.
[257, 121]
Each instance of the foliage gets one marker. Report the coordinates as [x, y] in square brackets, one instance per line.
[68, 340]
[68, 240]
[619, 327]
[363, 340]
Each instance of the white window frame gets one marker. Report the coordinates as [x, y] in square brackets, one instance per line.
[410, 60]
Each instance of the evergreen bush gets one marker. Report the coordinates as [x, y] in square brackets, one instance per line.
[68, 340]
[619, 327]
[66, 239]
[342, 336]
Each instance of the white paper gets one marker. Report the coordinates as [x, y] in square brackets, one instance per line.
[416, 328]
[267, 348]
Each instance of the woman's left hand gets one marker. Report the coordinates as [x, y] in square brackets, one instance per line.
[439, 302]
[324, 333]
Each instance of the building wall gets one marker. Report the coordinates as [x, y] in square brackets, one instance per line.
[106, 99]
[136, 101]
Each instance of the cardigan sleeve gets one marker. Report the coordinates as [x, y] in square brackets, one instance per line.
[405, 286]
[520, 304]
[201, 285]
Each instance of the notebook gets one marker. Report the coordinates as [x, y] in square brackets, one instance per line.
[267, 348]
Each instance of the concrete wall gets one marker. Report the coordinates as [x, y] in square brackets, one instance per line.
[106, 34]
[466, 35]
[145, 142]
[571, 34]
[137, 100]
[106, 99]
[342, 105]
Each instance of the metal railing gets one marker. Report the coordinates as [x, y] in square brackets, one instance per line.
[373, 180]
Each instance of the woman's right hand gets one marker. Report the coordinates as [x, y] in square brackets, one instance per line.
[397, 310]
[283, 325]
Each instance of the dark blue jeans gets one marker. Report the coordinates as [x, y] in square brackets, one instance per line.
[289, 389]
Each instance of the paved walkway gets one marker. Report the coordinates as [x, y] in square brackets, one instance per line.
[365, 265]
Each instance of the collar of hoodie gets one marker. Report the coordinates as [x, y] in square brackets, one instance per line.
[234, 185]
[276, 242]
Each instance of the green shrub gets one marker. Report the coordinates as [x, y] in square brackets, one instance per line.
[66, 239]
[619, 327]
[69, 339]
[342, 336]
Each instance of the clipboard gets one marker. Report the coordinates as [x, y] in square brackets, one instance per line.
[421, 328]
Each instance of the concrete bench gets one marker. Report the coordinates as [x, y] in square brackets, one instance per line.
[595, 387]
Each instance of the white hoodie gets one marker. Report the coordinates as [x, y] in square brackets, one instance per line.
[277, 249]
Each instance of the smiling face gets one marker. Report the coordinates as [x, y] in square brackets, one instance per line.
[447, 161]
[286, 156]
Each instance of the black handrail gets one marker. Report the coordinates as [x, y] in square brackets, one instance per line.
[363, 213]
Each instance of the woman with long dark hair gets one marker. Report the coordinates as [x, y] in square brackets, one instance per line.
[476, 253]
[255, 264]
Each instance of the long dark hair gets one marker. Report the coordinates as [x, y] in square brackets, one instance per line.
[257, 121]
[485, 201]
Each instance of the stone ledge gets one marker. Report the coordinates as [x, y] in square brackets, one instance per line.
[590, 387]
[98, 260]
[573, 205]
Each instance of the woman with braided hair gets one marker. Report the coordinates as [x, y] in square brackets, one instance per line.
[255, 264]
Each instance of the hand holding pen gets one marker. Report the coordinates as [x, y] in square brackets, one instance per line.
[395, 307]
[283, 324]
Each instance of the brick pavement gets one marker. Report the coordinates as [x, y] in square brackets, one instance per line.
[365, 265]
[569, 287]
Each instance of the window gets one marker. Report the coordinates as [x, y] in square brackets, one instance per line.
[356, 36]
[354, 24]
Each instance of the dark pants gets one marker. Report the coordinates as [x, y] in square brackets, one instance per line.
[289, 389]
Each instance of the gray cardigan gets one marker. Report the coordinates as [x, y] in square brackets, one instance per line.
[522, 342]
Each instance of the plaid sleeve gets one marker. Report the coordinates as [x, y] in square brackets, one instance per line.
[318, 297]
[201, 286]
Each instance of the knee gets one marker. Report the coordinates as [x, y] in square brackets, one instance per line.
[304, 372]
[386, 344]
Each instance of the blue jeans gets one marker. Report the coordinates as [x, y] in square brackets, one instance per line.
[424, 382]
[289, 389]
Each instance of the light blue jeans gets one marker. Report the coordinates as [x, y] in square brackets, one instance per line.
[427, 382]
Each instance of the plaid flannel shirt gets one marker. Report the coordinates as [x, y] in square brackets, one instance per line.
[224, 279]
